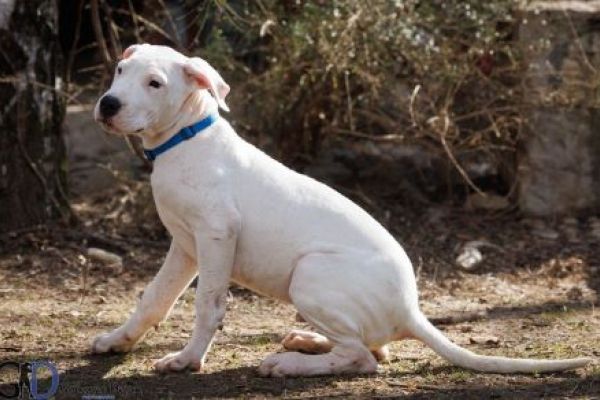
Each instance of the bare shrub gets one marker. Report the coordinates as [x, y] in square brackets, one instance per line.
[441, 74]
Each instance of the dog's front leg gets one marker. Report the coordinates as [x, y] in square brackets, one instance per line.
[215, 253]
[173, 278]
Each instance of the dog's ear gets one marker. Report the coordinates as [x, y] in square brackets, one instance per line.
[129, 51]
[206, 77]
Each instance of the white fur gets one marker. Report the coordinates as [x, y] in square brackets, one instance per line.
[238, 215]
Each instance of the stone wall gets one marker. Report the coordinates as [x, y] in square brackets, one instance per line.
[558, 169]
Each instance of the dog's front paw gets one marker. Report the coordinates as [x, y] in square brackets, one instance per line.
[179, 361]
[112, 342]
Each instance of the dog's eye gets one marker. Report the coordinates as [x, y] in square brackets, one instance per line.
[119, 70]
[154, 84]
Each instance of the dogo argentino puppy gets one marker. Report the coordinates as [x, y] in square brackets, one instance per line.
[236, 214]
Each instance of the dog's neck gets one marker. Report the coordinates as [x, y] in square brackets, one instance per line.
[196, 106]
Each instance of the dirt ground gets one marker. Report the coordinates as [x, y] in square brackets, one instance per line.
[534, 295]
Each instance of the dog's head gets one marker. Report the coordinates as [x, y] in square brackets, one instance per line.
[151, 88]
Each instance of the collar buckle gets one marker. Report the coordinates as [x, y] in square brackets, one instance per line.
[187, 133]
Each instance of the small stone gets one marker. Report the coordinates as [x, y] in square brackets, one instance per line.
[539, 227]
[574, 294]
[546, 233]
[469, 257]
[486, 201]
[488, 340]
[570, 229]
[105, 256]
[570, 221]
[594, 223]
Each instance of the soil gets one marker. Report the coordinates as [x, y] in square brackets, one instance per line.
[534, 295]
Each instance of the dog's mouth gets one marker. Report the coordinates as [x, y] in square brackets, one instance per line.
[106, 123]
[108, 126]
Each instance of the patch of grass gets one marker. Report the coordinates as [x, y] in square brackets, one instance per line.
[257, 340]
[552, 315]
[553, 350]
[580, 325]
[230, 359]
[460, 375]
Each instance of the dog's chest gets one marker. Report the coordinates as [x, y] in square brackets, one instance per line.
[187, 187]
[184, 197]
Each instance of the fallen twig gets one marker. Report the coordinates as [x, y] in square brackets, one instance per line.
[458, 319]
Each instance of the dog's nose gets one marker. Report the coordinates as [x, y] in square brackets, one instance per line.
[109, 106]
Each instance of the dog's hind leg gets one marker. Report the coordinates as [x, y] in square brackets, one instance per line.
[315, 343]
[159, 296]
[350, 357]
[339, 315]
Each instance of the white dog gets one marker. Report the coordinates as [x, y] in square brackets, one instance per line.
[238, 215]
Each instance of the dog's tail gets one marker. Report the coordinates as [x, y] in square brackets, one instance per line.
[424, 330]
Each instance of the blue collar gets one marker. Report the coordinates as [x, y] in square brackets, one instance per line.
[186, 133]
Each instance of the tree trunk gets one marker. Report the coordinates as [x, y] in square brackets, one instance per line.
[32, 155]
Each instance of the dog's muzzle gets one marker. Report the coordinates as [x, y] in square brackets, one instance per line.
[109, 106]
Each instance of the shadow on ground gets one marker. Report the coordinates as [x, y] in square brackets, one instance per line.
[510, 312]
[244, 381]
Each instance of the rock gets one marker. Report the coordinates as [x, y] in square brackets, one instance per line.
[489, 340]
[106, 257]
[486, 201]
[546, 233]
[540, 229]
[594, 223]
[558, 168]
[469, 257]
[575, 294]
[570, 229]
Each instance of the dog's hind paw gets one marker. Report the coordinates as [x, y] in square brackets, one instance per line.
[308, 342]
[270, 367]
